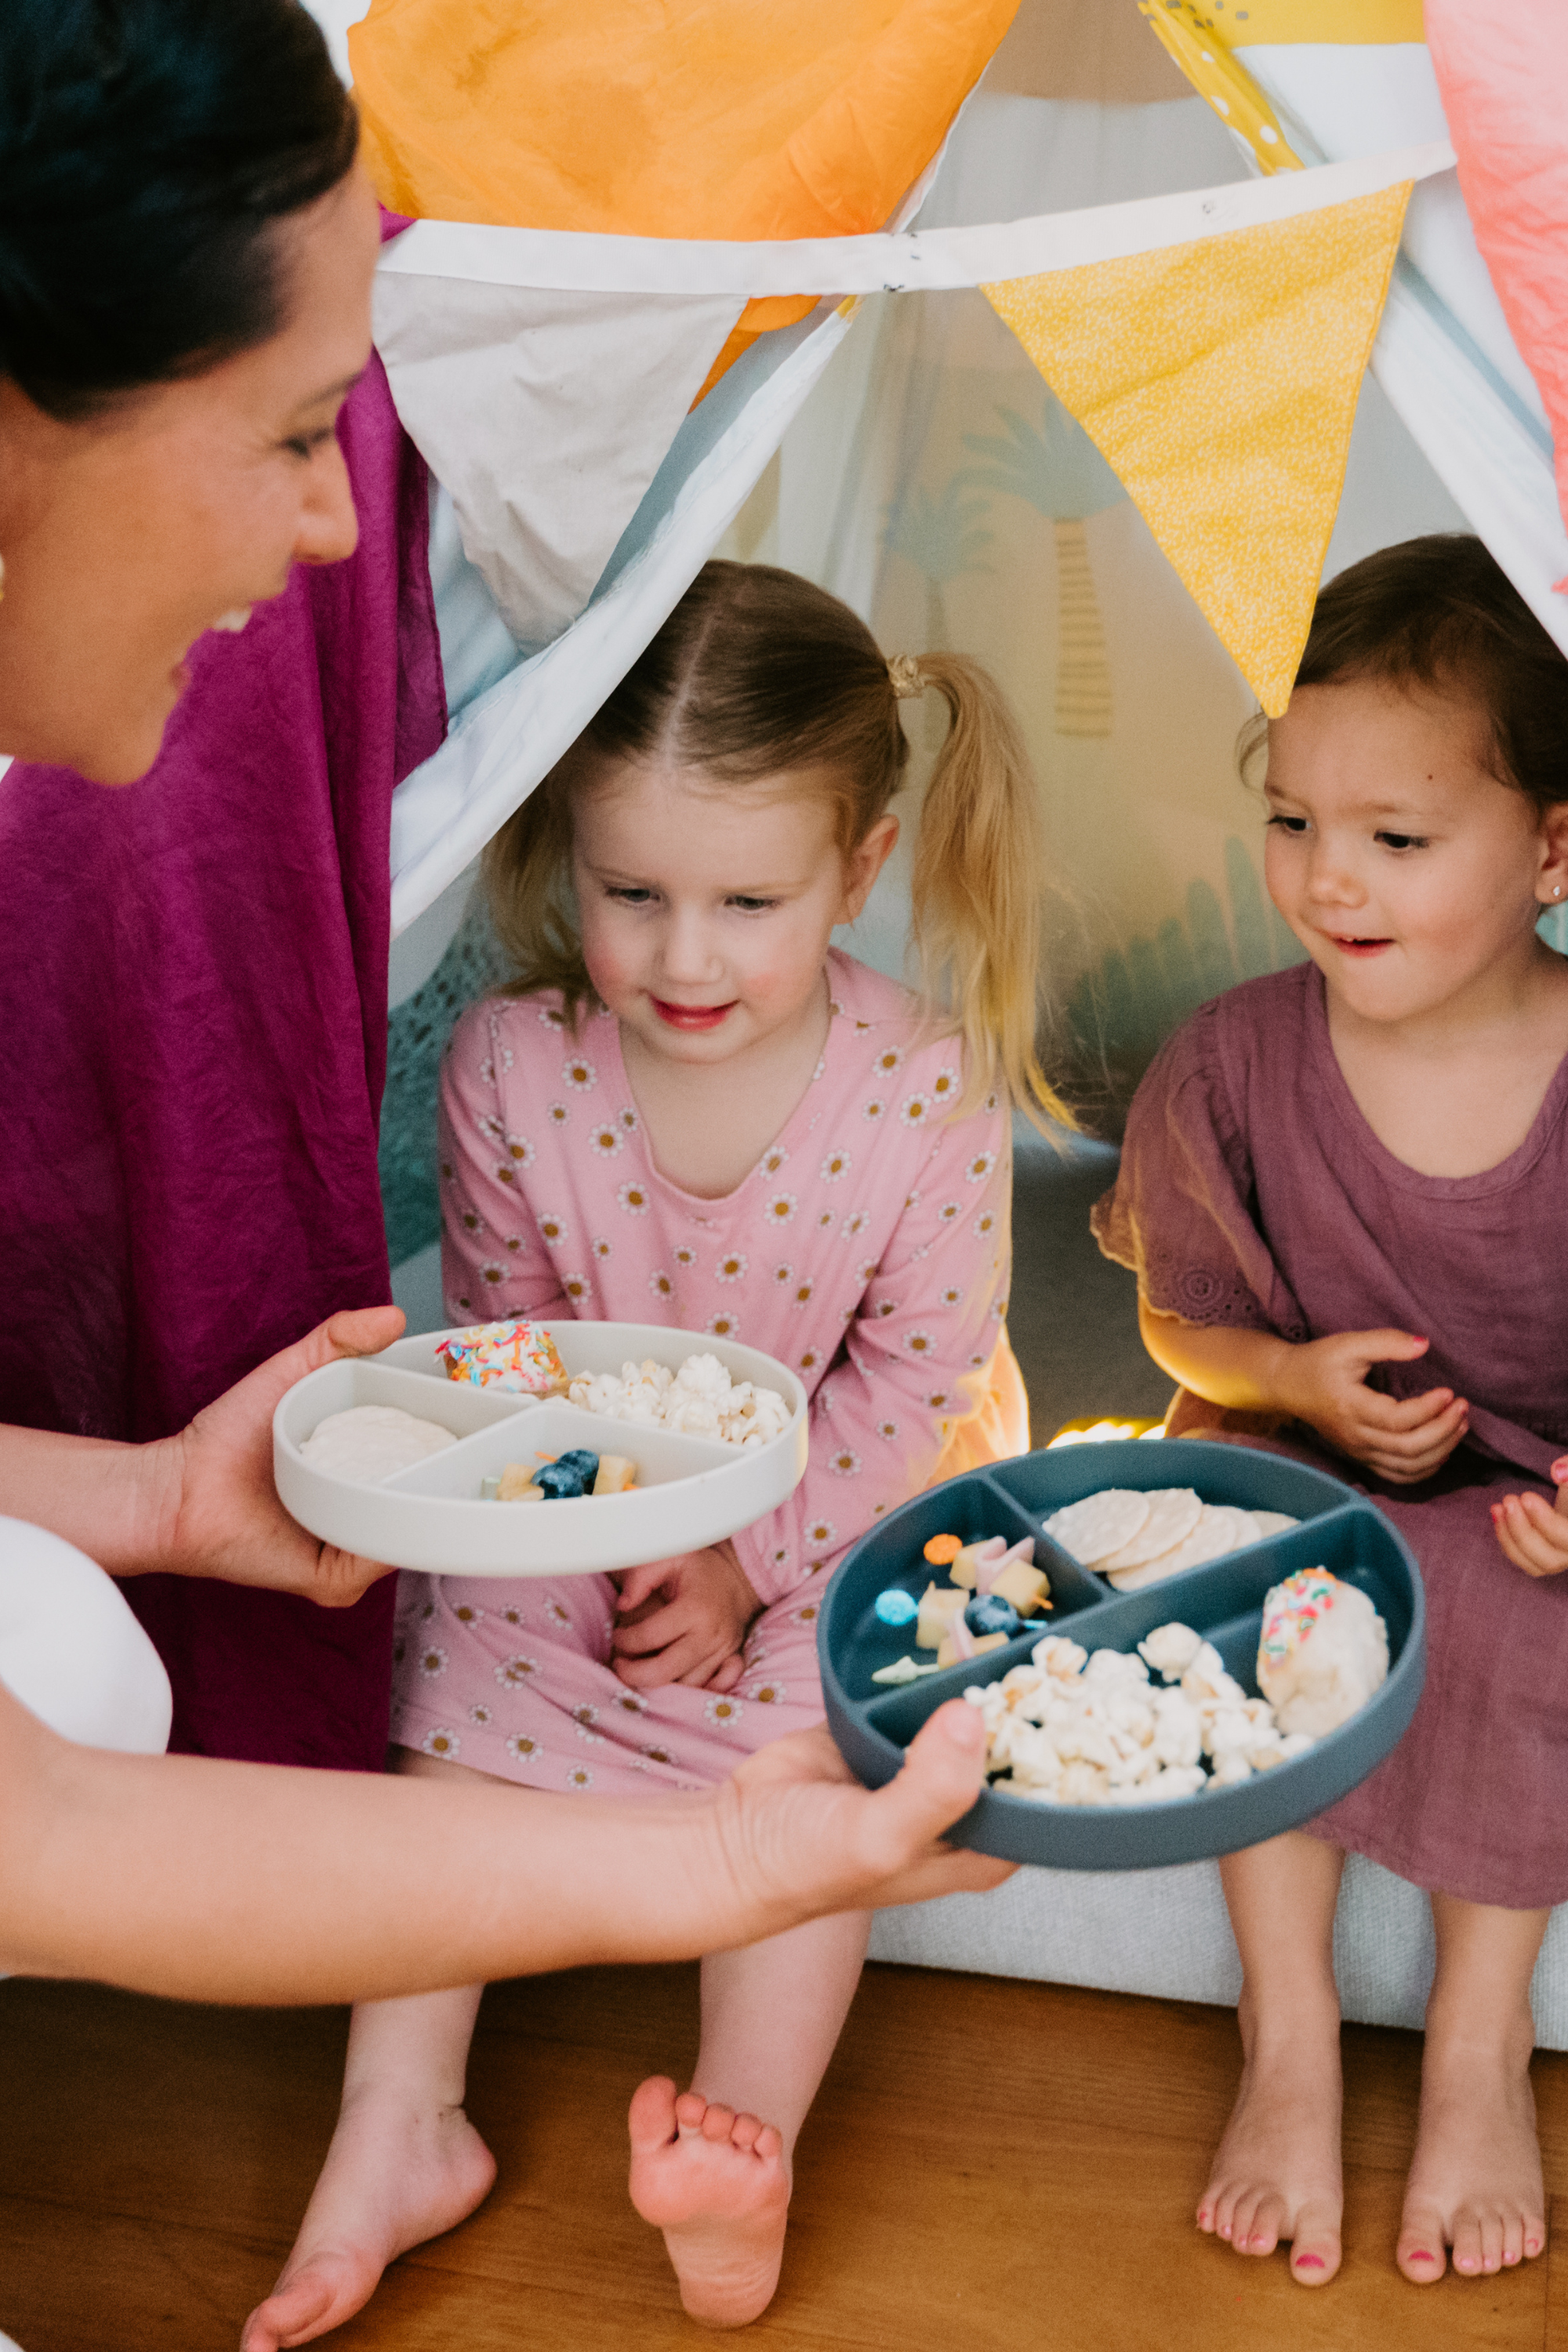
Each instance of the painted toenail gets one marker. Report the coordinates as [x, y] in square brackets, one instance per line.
[1421, 2255]
[1310, 2261]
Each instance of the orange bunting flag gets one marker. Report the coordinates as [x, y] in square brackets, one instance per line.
[1219, 380]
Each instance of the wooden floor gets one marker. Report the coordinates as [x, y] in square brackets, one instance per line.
[990, 2165]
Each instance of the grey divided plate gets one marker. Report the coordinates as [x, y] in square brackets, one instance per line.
[1223, 1599]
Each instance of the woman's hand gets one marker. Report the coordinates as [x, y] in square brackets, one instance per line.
[221, 1515]
[1531, 1532]
[684, 1620]
[1404, 1439]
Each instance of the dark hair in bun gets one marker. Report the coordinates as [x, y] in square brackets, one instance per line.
[147, 149]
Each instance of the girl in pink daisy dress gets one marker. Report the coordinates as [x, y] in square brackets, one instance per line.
[866, 1248]
[690, 1108]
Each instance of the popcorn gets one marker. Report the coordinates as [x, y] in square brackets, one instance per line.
[1171, 1649]
[1070, 1728]
[518, 1357]
[699, 1400]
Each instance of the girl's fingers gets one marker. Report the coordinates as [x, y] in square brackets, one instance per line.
[705, 1660]
[1532, 1534]
[1406, 1463]
[1527, 1553]
[1388, 1347]
[1396, 1415]
[1543, 1517]
[650, 1673]
[639, 1584]
[655, 1632]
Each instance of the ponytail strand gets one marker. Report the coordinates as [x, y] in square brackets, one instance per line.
[977, 887]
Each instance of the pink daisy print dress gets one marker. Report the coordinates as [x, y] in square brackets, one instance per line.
[869, 1249]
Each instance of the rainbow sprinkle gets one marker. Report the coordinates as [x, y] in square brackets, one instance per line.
[516, 1356]
[1298, 1602]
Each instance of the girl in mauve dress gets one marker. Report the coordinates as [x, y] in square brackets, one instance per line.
[690, 1108]
[1342, 1191]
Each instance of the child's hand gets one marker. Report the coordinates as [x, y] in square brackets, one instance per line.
[683, 1620]
[1532, 1534]
[1404, 1439]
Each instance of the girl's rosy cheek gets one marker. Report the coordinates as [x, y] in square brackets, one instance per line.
[611, 962]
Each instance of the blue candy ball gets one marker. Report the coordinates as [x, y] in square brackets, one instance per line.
[558, 1481]
[896, 1607]
[989, 1613]
[585, 1464]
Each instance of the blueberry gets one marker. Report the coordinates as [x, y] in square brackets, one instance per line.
[896, 1607]
[558, 1480]
[585, 1464]
[989, 1613]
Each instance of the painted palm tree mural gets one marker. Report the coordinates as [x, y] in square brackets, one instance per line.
[1124, 1009]
[1056, 467]
[941, 537]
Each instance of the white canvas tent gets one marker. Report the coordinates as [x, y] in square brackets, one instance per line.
[902, 449]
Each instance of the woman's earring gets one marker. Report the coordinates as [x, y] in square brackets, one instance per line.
[1556, 887]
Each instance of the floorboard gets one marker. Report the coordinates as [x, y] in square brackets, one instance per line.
[990, 2164]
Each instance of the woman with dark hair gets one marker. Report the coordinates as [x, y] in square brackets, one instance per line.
[186, 252]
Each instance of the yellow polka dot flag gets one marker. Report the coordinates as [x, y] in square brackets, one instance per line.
[1219, 380]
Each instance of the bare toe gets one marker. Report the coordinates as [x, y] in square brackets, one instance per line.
[1315, 2254]
[1264, 2229]
[1469, 2251]
[655, 2113]
[1423, 2250]
[325, 2290]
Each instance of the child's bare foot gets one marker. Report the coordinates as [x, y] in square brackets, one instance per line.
[1475, 2180]
[1276, 2173]
[717, 2185]
[393, 2177]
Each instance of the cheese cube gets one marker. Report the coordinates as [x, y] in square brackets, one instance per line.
[1024, 1586]
[616, 1474]
[517, 1484]
[940, 1603]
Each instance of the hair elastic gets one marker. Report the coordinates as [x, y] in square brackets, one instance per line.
[904, 671]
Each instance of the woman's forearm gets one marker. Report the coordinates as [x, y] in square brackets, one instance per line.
[244, 1883]
[1243, 1371]
[117, 1503]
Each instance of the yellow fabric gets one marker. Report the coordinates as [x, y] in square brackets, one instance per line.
[1219, 379]
[1228, 87]
[665, 118]
[1236, 24]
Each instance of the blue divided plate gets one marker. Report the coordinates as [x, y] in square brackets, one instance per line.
[1223, 1599]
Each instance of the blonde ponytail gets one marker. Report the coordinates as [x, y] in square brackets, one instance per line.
[977, 888]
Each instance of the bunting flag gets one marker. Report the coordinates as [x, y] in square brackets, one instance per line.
[1219, 379]
[675, 120]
